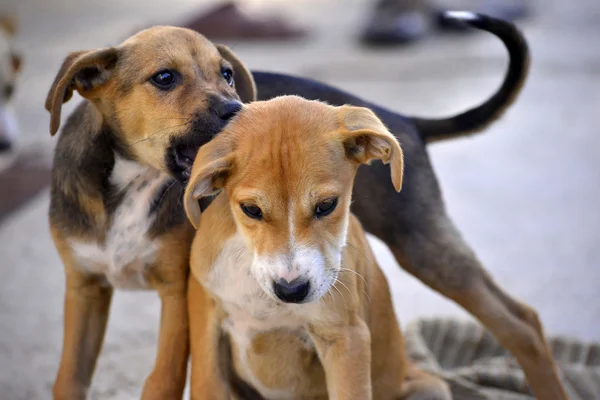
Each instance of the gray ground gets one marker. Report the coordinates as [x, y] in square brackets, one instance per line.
[525, 194]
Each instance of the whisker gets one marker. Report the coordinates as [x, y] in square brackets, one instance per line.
[361, 277]
[128, 110]
[156, 133]
[341, 294]
[351, 294]
[168, 118]
[358, 251]
[239, 252]
[331, 293]
[354, 272]
[165, 194]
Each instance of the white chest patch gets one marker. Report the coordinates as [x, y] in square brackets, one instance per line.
[127, 251]
[249, 310]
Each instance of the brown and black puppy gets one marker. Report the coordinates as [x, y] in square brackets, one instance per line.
[414, 223]
[116, 215]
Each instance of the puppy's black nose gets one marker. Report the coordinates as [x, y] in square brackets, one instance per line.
[228, 109]
[291, 292]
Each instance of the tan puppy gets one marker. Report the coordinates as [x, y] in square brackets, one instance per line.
[292, 280]
[117, 184]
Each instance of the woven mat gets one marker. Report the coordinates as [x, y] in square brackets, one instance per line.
[477, 367]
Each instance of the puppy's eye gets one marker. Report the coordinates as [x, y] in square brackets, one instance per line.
[252, 211]
[164, 80]
[325, 208]
[228, 75]
[8, 91]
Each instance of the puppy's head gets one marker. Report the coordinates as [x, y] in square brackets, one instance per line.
[10, 63]
[287, 166]
[164, 92]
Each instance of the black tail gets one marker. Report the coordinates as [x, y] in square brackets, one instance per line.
[476, 119]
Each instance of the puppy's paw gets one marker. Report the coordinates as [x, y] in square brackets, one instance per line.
[161, 389]
[68, 392]
[420, 385]
[439, 391]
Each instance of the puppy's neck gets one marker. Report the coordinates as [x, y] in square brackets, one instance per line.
[85, 190]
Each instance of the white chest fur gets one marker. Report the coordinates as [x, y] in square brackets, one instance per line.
[249, 310]
[127, 251]
[248, 307]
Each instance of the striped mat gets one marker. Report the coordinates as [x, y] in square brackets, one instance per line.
[477, 367]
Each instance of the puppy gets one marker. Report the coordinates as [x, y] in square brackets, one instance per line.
[415, 224]
[137, 120]
[10, 64]
[291, 277]
[115, 211]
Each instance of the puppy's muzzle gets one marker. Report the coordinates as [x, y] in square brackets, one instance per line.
[226, 111]
[291, 292]
[205, 126]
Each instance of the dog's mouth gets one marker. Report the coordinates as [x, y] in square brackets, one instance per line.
[184, 156]
[182, 150]
[182, 153]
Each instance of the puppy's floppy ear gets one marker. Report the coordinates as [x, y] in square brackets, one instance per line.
[84, 71]
[211, 168]
[244, 82]
[365, 138]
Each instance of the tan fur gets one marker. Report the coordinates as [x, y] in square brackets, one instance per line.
[284, 156]
[121, 102]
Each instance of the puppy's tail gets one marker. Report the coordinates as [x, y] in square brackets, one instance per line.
[478, 118]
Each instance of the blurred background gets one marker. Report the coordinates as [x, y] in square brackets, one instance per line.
[525, 193]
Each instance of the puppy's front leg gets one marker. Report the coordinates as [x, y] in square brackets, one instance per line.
[206, 381]
[87, 303]
[169, 278]
[345, 352]
[167, 380]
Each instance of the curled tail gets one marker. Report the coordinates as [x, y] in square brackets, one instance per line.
[478, 118]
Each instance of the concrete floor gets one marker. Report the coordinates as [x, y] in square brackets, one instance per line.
[525, 194]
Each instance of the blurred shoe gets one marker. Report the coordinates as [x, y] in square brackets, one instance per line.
[396, 22]
[227, 21]
[401, 22]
